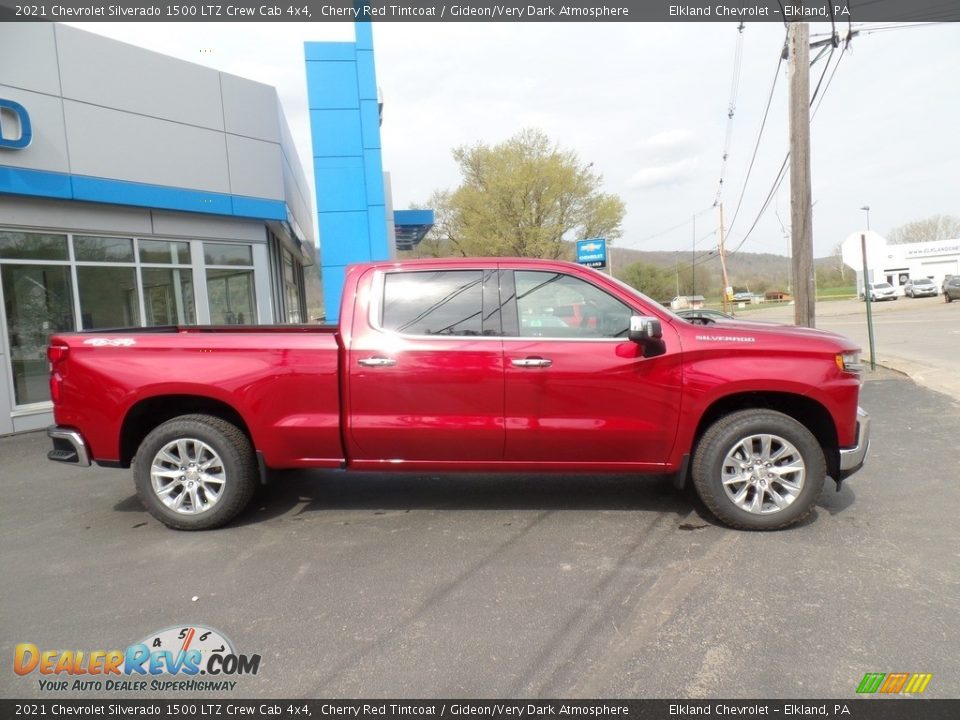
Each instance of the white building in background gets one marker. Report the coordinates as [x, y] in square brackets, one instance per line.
[897, 264]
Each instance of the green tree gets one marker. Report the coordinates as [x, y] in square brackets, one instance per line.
[656, 282]
[935, 227]
[524, 197]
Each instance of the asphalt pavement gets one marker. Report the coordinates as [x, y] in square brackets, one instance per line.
[494, 587]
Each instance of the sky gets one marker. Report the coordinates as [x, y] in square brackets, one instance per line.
[647, 104]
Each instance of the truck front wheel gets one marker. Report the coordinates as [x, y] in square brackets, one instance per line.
[759, 470]
[195, 472]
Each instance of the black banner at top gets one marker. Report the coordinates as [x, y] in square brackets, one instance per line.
[777, 11]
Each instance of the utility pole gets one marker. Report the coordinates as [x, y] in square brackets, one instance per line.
[801, 210]
[693, 260]
[723, 263]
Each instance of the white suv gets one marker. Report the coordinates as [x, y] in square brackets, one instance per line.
[882, 291]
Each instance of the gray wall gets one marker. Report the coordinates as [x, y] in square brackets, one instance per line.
[104, 109]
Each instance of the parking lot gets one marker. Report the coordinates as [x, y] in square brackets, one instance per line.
[473, 586]
[486, 587]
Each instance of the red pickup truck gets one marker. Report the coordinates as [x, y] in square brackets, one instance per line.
[489, 365]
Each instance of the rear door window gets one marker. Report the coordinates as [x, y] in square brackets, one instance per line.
[445, 302]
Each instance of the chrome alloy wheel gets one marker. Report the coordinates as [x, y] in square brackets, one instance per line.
[763, 474]
[188, 476]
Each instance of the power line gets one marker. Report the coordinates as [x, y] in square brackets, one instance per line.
[756, 145]
[786, 160]
[731, 109]
[671, 228]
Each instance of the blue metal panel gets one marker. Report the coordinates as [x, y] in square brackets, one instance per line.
[363, 31]
[413, 217]
[120, 192]
[333, 276]
[336, 133]
[366, 76]
[379, 249]
[346, 237]
[332, 85]
[259, 208]
[370, 123]
[337, 51]
[373, 168]
[340, 183]
[38, 183]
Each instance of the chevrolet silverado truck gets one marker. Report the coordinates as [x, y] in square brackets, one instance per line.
[467, 365]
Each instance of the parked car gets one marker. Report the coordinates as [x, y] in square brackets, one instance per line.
[417, 377]
[920, 287]
[743, 297]
[704, 316]
[882, 291]
[951, 288]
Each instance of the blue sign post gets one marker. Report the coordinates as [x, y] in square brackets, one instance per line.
[592, 252]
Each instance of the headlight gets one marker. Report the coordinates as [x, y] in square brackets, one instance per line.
[850, 362]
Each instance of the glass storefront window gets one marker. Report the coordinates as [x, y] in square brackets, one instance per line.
[32, 246]
[291, 286]
[293, 304]
[165, 252]
[227, 254]
[231, 296]
[38, 301]
[108, 297]
[168, 296]
[102, 249]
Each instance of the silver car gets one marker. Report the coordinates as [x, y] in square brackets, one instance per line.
[882, 291]
[921, 287]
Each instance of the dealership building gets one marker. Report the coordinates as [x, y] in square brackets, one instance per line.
[137, 189]
[898, 263]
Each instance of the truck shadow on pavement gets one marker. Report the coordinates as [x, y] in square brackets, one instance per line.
[296, 493]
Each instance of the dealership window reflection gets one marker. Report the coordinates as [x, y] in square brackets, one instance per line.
[38, 301]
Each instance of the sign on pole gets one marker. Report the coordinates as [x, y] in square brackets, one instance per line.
[592, 252]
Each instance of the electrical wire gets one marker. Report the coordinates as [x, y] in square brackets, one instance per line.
[669, 229]
[756, 145]
[781, 175]
[731, 110]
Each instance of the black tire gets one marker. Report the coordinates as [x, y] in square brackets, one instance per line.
[720, 442]
[229, 455]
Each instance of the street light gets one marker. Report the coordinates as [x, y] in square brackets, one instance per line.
[866, 209]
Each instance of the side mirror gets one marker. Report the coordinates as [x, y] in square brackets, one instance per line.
[648, 334]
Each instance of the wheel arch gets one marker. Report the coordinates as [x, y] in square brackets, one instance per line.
[807, 411]
[152, 412]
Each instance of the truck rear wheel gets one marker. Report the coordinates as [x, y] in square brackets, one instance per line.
[759, 470]
[195, 472]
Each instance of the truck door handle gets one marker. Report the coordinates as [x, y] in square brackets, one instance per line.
[377, 362]
[531, 362]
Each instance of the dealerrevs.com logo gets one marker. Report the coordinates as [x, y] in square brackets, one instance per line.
[171, 659]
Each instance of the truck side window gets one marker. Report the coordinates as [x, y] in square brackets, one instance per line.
[555, 305]
[448, 302]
